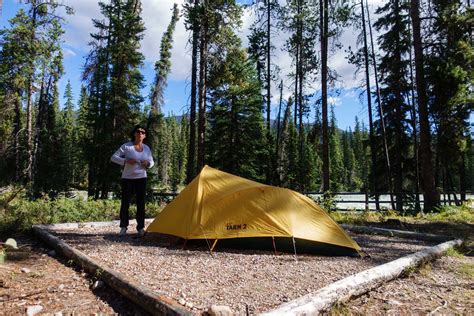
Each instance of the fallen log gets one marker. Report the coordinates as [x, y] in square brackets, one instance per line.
[142, 296]
[360, 283]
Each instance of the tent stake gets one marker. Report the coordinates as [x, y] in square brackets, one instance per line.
[185, 242]
[214, 244]
[294, 246]
[207, 241]
[274, 246]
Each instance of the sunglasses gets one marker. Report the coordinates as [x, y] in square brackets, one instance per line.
[140, 132]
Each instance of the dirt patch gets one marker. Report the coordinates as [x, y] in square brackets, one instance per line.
[36, 276]
[444, 287]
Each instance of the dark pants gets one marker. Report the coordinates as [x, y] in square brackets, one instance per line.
[129, 187]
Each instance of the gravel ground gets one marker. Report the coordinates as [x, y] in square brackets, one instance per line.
[245, 280]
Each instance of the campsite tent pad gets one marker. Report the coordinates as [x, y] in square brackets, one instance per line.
[218, 205]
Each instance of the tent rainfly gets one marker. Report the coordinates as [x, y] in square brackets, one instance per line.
[218, 205]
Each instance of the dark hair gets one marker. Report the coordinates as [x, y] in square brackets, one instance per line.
[137, 127]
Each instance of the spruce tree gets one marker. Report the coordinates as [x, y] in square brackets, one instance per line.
[395, 44]
[236, 142]
[113, 82]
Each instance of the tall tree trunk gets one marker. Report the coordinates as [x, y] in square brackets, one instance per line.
[270, 167]
[269, 81]
[278, 138]
[380, 111]
[324, 93]
[415, 139]
[191, 163]
[29, 129]
[462, 177]
[16, 137]
[430, 195]
[202, 90]
[369, 109]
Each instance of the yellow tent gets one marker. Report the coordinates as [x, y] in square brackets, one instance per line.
[219, 205]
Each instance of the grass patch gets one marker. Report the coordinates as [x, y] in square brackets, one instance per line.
[18, 213]
[467, 269]
[453, 252]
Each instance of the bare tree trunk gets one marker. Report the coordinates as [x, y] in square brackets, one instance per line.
[16, 137]
[269, 81]
[380, 110]
[369, 109]
[191, 163]
[278, 138]
[202, 91]
[29, 130]
[270, 167]
[462, 178]
[324, 91]
[431, 196]
[415, 139]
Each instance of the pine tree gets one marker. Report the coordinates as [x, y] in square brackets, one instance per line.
[114, 82]
[450, 78]
[260, 49]
[236, 142]
[67, 130]
[156, 134]
[396, 44]
[14, 68]
[431, 197]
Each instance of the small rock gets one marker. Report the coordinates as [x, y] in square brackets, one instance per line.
[58, 314]
[52, 253]
[219, 310]
[25, 270]
[33, 310]
[189, 305]
[97, 284]
[70, 294]
[182, 301]
[61, 287]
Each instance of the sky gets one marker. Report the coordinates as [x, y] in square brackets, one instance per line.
[348, 101]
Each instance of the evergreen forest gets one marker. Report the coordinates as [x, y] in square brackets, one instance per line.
[416, 57]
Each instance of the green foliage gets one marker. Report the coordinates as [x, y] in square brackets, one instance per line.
[453, 252]
[327, 201]
[113, 80]
[467, 269]
[456, 214]
[236, 141]
[20, 213]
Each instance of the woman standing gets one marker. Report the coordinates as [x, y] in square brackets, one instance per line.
[136, 157]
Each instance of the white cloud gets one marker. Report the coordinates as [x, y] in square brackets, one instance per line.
[67, 52]
[334, 101]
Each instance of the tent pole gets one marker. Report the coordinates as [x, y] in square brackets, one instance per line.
[214, 244]
[294, 246]
[185, 242]
[274, 246]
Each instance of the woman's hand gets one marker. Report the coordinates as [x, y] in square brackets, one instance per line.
[145, 163]
[131, 161]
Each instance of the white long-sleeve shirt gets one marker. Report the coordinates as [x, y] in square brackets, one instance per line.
[126, 152]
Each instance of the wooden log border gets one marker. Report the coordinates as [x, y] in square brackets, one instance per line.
[394, 232]
[360, 283]
[142, 296]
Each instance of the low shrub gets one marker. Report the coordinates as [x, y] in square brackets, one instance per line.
[17, 213]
